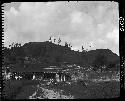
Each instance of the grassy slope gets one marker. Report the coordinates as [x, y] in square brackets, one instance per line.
[22, 89]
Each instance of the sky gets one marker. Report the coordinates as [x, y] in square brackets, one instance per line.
[83, 23]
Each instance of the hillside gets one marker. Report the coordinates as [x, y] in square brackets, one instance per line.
[59, 53]
[53, 54]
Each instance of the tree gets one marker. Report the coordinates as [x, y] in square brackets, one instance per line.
[66, 44]
[69, 45]
[83, 50]
[19, 44]
[50, 39]
[16, 52]
[54, 40]
[59, 41]
[6, 51]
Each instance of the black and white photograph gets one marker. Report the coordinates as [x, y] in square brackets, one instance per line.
[61, 50]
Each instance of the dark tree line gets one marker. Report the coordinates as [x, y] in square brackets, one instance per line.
[14, 53]
[59, 41]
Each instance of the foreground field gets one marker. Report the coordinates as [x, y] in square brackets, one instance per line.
[78, 90]
[92, 91]
[13, 89]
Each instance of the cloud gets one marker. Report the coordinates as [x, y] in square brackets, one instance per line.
[76, 17]
[114, 35]
[79, 23]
